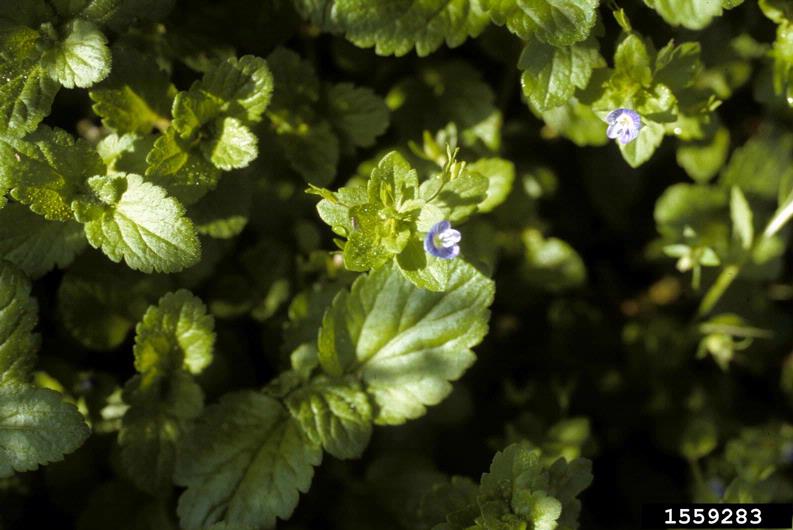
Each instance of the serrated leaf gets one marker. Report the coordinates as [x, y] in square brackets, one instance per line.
[312, 151]
[395, 27]
[36, 245]
[244, 84]
[126, 153]
[137, 95]
[423, 269]
[36, 427]
[81, 59]
[551, 74]
[224, 213]
[691, 14]
[46, 170]
[99, 302]
[452, 91]
[407, 343]
[153, 427]
[18, 317]
[335, 414]
[181, 169]
[458, 199]
[245, 463]
[296, 83]
[520, 489]
[357, 113]
[308, 142]
[136, 221]
[26, 91]
[176, 333]
[555, 22]
[393, 183]
[233, 145]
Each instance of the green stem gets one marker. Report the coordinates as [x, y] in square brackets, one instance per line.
[717, 290]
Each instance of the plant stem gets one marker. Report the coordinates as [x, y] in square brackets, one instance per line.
[717, 290]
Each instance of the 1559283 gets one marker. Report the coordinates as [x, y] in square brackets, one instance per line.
[668, 515]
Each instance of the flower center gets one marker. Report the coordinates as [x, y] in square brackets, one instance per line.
[447, 238]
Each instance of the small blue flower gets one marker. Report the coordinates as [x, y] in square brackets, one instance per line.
[624, 125]
[441, 241]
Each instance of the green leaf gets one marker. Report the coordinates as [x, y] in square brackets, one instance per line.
[552, 264]
[422, 269]
[407, 343]
[153, 427]
[126, 153]
[555, 22]
[176, 333]
[245, 463]
[307, 142]
[36, 427]
[761, 165]
[500, 174]
[335, 414]
[312, 151]
[357, 114]
[118, 14]
[224, 213]
[642, 148]
[393, 183]
[576, 121]
[678, 66]
[633, 60]
[395, 27]
[551, 74]
[686, 205]
[179, 168]
[452, 91]
[459, 198]
[777, 10]
[82, 59]
[742, 218]
[334, 208]
[137, 95]
[233, 145]
[136, 221]
[99, 302]
[245, 85]
[519, 489]
[26, 91]
[36, 245]
[702, 160]
[691, 14]
[47, 170]
[18, 317]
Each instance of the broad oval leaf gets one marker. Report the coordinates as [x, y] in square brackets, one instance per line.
[245, 463]
[406, 343]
